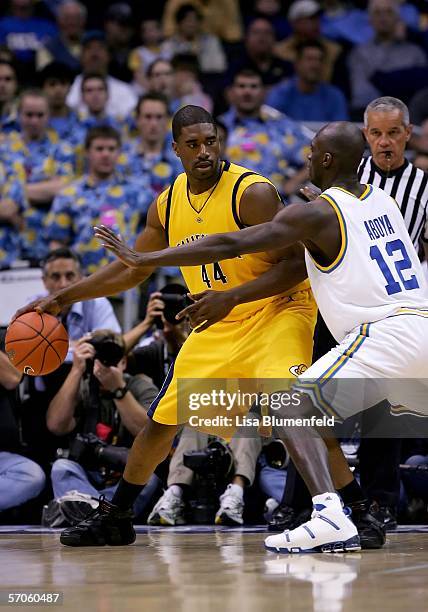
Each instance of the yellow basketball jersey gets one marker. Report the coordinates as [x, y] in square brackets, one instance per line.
[187, 217]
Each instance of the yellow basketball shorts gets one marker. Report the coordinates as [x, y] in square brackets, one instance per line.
[274, 342]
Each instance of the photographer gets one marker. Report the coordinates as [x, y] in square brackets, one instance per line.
[104, 408]
[244, 452]
[155, 357]
[20, 478]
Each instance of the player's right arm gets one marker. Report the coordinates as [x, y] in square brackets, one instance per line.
[111, 279]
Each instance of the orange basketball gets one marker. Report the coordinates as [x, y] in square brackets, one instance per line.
[36, 343]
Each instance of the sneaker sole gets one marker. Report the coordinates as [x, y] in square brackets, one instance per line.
[351, 545]
[160, 520]
[224, 519]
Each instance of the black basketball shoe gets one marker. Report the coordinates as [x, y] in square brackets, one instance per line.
[285, 517]
[106, 525]
[371, 531]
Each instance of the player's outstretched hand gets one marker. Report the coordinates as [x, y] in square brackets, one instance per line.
[114, 243]
[48, 304]
[209, 307]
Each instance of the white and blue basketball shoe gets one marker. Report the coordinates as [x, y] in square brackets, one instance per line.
[329, 530]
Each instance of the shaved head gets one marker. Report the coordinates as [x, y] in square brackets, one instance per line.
[337, 150]
[345, 141]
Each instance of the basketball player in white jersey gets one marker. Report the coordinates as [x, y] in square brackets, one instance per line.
[371, 292]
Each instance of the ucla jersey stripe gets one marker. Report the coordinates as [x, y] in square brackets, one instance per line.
[314, 388]
[344, 237]
[348, 354]
[367, 191]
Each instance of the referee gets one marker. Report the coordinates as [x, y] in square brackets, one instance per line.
[387, 130]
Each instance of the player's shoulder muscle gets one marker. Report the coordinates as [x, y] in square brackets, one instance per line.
[152, 238]
[260, 202]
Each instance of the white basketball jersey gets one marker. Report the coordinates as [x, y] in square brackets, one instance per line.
[377, 271]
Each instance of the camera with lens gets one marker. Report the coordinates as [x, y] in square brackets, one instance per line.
[107, 349]
[175, 299]
[92, 453]
[212, 466]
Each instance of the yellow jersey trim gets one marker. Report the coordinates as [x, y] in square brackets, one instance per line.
[367, 191]
[343, 234]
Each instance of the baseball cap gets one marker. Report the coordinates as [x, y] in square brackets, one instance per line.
[302, 9]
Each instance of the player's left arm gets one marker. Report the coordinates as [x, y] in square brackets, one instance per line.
[295, 223]
[288, 271]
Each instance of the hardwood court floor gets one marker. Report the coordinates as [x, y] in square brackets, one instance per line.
[216, 570]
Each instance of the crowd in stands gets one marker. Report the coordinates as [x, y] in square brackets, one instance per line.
[87, 92]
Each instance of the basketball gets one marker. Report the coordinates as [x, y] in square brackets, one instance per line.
[36, 344]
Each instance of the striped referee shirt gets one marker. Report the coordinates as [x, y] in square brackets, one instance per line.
[408, 185]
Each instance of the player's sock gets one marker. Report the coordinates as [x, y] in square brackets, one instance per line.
[126, 494]
[351, 492]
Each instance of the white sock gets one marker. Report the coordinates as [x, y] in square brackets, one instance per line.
[329, 500]
[236, 490]
[176, 490]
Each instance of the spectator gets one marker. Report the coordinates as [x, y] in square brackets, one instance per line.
[142, 57]
[102, 196]
[8, 90]
[418, 107]
[342, 21]
[187, 86]
[305, 97]
[66, 47]
[214, 14]
[304, 18]
[23, 33]
[118, 27]
[169, 510]
[20, 478]
[61, 268]
[273, 12]
[120, 403]
[95, 58]
[190, 38]
[95, 98]
[12, 206]
[259, 54]
[42, 163]
[55, 81]
[155, 358]
[151, 153]
[262, 139]
[421, 159]
[160, 79]
[387, 52]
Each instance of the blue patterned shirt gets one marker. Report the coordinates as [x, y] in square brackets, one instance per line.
[270, 144]
[117, 202]
[11, 188]
[160, 169]
[33, 162]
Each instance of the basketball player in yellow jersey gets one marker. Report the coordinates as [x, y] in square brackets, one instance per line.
[270, 338]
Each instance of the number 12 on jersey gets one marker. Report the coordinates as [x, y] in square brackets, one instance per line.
[217, 274]
[393, 286]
